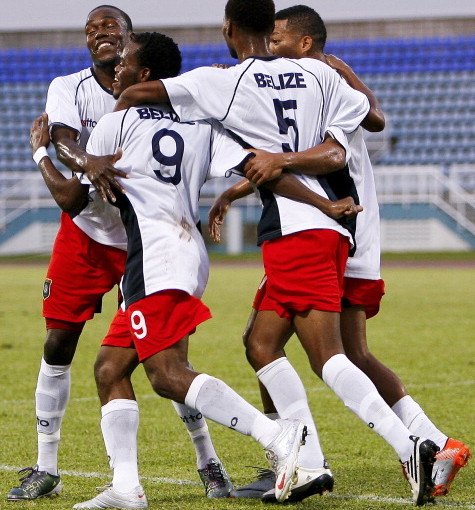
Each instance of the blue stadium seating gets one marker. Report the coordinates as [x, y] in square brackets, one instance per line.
[426, 87]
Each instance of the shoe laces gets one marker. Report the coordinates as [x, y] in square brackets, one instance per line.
[214, 473]
[29, 472]
[263, 473]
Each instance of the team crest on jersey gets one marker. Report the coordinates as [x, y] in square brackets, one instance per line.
[47, 288]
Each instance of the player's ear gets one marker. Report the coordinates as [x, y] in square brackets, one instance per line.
[227, 28]
[145, 74]
[306, 44]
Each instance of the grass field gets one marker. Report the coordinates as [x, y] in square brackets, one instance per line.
[425, 332]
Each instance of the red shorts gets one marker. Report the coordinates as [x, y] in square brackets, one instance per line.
[304, 272]
[361, 292]
[80, 272]
[156, 322]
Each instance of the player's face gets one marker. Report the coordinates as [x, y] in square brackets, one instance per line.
[128, 71]
[285, 42]
[106, 35]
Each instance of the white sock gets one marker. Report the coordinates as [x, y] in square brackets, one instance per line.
[199, 433]
[360, 395]
[218, 402]
[414, 418]
[119, 424]
[52, 396]
[290, 399]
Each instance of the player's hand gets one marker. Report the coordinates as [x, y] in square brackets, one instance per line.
[336, 63]
[101, 172]
[39, 135]
[343, 208]
[221, 66]
[216, 217]
[264, 166]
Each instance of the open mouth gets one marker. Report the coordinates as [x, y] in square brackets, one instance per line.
[104, 45]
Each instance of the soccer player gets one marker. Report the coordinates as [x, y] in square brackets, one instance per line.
[273, 103]
[300, 32]
[88, 257]
[167, 267]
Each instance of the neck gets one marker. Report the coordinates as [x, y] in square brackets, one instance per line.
[319, 55]
[105, 75]
[252, 46]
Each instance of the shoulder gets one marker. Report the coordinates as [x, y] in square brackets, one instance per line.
[111, 119]
[71, 81]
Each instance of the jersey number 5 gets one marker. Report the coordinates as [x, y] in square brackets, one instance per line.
[285, 123]
[174, 160]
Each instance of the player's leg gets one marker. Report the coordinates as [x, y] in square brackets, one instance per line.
[113, 369]
[81, 271]
[353, 332]
[163, 331]
[170, 377]
[360, 395]
[265, 352]
[267, 404]
[367, 295]
[211, 471]
[115, 363]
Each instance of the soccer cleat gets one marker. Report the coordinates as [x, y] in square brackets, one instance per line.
[418, 470]
[265, 482]
[448, 461]
[282, 455]
[35, 484]
[110, 498]
[216, 480]
[309, 483]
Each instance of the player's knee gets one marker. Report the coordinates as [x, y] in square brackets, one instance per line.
[360, 357]
[60, 346]
[258, 354]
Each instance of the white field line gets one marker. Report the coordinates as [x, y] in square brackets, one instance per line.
[82, 474]
[172, 481]
[253, 392]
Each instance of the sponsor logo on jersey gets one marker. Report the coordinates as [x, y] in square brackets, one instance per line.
[88, 123]
[281, 81]
[47, 288]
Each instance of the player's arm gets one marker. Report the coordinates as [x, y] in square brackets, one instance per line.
[69, 194]
[322, 159]
[100, 170]
[287, 185]
[375, 120]
[142, 93]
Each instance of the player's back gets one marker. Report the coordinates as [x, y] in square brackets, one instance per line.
[167, 162]
[271, 103]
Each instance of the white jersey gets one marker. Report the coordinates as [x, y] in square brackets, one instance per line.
[78, 101]
[277, 104]
[365, 263]
[167, 162]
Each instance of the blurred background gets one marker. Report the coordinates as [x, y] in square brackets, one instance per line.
[418, 57]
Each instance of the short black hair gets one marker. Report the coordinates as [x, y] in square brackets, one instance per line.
[255, 16]
[124, 15]
[159, 53]
[305, 20]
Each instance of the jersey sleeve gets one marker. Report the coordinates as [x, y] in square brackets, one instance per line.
[347, 107]
[226, 154]
[200, 94]
[60, 104]
[104, 138]
[340, 136]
